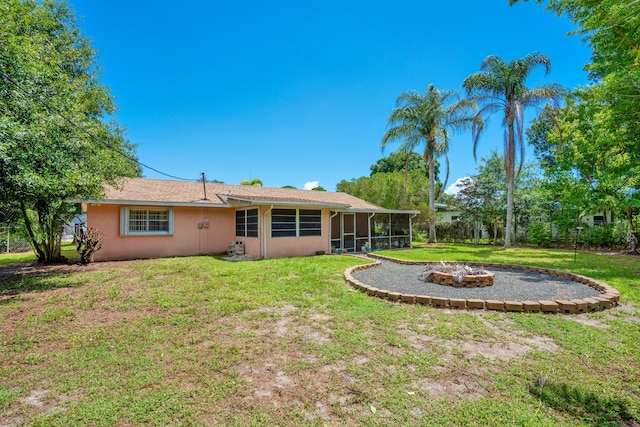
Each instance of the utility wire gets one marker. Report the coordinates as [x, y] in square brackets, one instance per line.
[93, 137]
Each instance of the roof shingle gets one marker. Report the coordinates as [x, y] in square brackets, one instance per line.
[145, 190]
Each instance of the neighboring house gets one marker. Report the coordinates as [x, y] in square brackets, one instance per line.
[149, 218]
[72, 228]
[451, 214]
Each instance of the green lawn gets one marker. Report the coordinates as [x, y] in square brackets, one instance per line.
[201, 341]
[68, 250]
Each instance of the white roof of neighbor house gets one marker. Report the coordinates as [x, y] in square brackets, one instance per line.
[158, 192]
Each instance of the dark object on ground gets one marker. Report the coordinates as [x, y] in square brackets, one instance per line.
[88, 243]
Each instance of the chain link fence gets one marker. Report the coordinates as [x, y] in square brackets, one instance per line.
[12, 239]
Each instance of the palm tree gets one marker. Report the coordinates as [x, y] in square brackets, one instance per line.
[427, 118]
[500, 88]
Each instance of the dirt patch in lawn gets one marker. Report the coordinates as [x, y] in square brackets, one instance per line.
[453, 385]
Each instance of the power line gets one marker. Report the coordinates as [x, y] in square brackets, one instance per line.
[93, 137]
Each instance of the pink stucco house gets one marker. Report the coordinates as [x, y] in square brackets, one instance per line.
[151, 218]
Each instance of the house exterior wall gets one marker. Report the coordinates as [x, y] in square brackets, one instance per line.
[295, 246]
[187, 238]
[447, 216]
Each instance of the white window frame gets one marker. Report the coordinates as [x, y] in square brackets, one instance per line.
[124, 221]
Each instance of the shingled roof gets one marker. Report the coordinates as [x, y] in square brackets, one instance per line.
[155, 192]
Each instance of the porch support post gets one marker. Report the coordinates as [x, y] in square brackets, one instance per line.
[389, 233]
[342, 230]
[331, 228]
[264, 231]
[369, 218]
[411, 230]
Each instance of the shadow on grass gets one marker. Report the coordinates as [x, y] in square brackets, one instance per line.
[592, 408]
[25, 277]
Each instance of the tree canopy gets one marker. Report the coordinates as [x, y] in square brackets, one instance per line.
[397, 162]
[597, 160]
[254, 182]
[57, 139]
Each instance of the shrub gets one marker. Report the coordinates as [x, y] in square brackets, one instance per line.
[609, 236]
[540, 234]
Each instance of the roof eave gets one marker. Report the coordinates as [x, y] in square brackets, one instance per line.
[287, 203]
[383, 211]
[152, 203]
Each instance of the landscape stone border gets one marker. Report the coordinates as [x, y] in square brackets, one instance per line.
[608, 298]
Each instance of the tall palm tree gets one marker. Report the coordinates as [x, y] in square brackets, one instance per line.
[427, 119]
[499, 87]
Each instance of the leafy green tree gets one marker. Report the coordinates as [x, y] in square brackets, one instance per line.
[612, 30]
[255, 182]
[592, 167]
[403, 161]
[482, 197]
[319, 188]
[427, 119]
[500, 87]
[55, 141]
[389, 189]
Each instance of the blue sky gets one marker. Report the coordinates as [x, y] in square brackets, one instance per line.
[294, 92]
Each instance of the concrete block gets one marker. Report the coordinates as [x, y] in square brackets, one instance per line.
[604, 302]
[513, 305]
[439, 302]
[423, 299]
[382, 293]
[592, 304]
[549, 306]
[566, 306]
[494, 305]
[531, 306]
[393, 296]
[475, 303]
[457, 303]
[581, 305]
[408, 298]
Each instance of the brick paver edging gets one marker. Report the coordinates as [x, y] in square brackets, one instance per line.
[608, 297]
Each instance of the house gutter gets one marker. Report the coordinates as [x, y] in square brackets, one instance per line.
[233, 200]
[264, 232]
[151, 203]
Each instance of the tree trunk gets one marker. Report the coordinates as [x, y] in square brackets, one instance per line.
[510, 170]
[432, 194]
[476, 235]
[34, 242]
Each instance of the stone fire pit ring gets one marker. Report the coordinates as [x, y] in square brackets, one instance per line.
[594, 296]
[445, 274]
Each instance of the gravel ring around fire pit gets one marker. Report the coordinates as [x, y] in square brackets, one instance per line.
[515, 288]
[508, 284]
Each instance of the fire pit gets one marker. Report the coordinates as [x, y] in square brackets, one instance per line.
[457, 275]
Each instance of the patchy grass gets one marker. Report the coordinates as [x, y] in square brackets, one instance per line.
[67, 249]
[200, 341]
